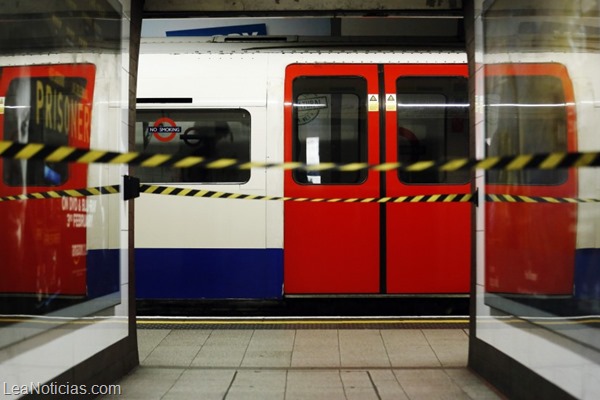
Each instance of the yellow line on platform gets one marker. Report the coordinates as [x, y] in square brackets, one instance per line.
[303, 322]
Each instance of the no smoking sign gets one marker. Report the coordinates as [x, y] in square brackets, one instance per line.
[164, 129]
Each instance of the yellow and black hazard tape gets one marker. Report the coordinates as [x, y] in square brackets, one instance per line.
[186, 192]
[52, 153]
[430, 198]
[511, 198]
[55, 194]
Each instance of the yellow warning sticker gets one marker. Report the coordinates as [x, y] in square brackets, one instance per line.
[1, 105]
[373, 102]
[390, 102]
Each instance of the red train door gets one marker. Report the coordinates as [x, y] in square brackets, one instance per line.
[331, 115]
[530, 247]
[427, 244]
[347, 114]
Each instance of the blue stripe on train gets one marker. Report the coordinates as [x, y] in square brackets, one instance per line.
[208, 273]
[587, 274]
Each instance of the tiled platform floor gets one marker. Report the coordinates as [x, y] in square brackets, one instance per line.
[291, 364]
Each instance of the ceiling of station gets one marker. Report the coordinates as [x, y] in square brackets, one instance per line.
[31, 26]
[254, 8]
[398, 21]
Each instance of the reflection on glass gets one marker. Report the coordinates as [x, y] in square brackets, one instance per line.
[530, 247]
[45, 104]
[60, 256]
[542, 255]
[525, 114]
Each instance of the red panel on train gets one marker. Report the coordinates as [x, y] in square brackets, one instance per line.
[394, 248]
[428, 245]
[331, 248]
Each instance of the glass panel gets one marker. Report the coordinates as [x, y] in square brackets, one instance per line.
[432, 125]
[60, 257]
[525, 115]
[540, 263]
[208, 133]
[329, 118]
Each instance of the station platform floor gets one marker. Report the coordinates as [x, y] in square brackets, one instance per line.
[302, 359]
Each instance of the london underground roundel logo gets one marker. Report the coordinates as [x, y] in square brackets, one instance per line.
[164, 129]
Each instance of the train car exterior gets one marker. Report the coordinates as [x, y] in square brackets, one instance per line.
[276, 105]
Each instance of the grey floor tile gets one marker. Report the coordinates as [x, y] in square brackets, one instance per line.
[474, 386]
[270, 348]
[443, 335]
[272, 339]
[187, 337]
[388, 387]
[267, 359]
[314, 384]
[258, 384]
[171, 356]
[450, 346]
[429, 384]
[362, 348]
[316, 338]
[178, 348]
[202, 384]
[358, 385]
[409, 348]
[147, 383]
[148, 339]
[316, 348]
[219, 356]
[229, 336]
[223, 348]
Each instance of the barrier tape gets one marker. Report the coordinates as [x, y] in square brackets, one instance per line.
[432, 198]
[185, 192]
[511, 198]
[55, 194]
[51, 153]
[429, 198]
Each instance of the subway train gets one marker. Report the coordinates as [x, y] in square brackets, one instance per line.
[58, 252]
[280, 103]
[276, 103]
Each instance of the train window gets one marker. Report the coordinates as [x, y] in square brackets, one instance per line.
[329, 125]
[525, 114]
[209, 133]
[42, 110]
[433, 124]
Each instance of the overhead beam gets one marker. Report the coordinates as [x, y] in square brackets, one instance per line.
[240, 8]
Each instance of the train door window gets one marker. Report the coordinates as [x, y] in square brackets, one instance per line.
[433, 124]
[42, 110]
[329, 125]
[525, 114]
[208, 133]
